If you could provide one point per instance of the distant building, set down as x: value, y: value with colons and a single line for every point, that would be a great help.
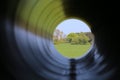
x: 58, y: 35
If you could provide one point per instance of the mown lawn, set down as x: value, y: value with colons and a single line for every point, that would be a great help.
x: 72, y: 51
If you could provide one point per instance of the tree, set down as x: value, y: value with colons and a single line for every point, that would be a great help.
x: 61, y: 35
x: 75, y: 40
x: 90, y: 35
x: 71, y: 37
x: 58, y: 36
x: 83, y: 39
x: 78, y: 38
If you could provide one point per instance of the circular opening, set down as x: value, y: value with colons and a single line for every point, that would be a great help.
x: 72, y: 38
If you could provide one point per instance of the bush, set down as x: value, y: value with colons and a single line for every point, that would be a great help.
x: 56, y: 42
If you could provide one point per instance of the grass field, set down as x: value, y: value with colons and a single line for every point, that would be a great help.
x: 72, y: 51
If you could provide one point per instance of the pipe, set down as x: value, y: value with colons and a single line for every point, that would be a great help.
x: 28, y: 51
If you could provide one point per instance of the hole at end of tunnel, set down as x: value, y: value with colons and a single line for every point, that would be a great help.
x: 72, y: 38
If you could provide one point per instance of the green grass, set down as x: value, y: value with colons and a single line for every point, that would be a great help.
x: 72, y: 51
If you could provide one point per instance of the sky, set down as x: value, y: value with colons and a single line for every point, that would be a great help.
x: 73, y: 25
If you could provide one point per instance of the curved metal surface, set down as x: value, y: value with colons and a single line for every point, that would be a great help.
x: 28, y: 51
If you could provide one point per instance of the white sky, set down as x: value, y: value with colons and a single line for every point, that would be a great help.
x: 73, y: 25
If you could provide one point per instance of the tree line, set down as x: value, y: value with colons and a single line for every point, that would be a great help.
x: 82, y: 38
